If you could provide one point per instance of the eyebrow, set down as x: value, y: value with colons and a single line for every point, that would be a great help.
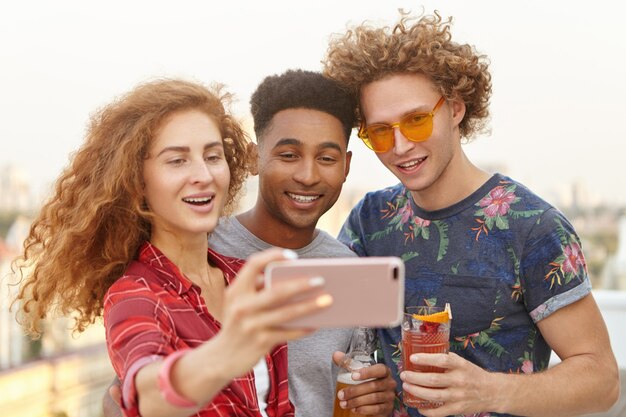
x: 296, y: 142
x: 187, y: 149
x: 419, y: 109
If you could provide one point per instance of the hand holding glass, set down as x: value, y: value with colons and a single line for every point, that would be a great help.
x: 424, y: 330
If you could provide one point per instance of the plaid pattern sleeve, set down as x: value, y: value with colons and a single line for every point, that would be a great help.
x: 154, y: 310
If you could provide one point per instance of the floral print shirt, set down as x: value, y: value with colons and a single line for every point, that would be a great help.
x: 503, y: 258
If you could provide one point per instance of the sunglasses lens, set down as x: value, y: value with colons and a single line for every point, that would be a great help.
x: 417, y: 127
x: 362, y: 134
x: 380, y: 137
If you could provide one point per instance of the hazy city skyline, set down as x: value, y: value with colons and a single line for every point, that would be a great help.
x: 557, y: 69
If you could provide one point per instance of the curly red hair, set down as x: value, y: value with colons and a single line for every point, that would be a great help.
x: 95, y: 221
x: 366, y: 54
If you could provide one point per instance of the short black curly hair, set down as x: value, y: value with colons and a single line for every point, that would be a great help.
x: 301, y: 89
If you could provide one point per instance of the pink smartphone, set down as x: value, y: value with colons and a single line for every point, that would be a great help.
x: 366, y: 291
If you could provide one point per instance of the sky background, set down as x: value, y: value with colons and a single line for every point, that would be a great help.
x: 558, y: 74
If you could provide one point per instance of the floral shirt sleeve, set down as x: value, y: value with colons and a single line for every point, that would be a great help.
x: 553, y: 266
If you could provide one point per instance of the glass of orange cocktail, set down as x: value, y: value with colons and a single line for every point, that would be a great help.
x: 425, y: 329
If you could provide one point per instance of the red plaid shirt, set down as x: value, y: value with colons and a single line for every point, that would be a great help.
x: 154, y: 310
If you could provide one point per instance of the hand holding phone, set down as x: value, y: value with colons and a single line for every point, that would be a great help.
x: 366, y: 291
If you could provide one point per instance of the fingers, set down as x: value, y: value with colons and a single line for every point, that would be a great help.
x: 434, y: 395
x: 271, y: 313
x: 373, y: 402
x: 423, y: 392
x: 385, y: 387
x: 338, y: 358
x: 284, y: 302
x: 378, y: 371
x: 458, y: 388
x: 425, y: 379
x: 287, y: 291
x: 112, y: 400
x: 258, y: 317
x: 381, y: 382
x: 372, y: 397
x: 447, y: 361
x: 116, y: 394
x: 381, y: 409
x: 267, y: 339
x: 247, y: 277
x: 442, y: 411
x: 440, y: 360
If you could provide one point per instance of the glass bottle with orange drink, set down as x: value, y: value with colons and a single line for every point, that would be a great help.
x: 358, y: 356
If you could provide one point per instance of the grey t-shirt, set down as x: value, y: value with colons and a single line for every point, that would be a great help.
x: 312, y: 375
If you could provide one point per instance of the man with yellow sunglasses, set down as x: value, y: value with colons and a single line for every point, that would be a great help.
x: 509, y: 263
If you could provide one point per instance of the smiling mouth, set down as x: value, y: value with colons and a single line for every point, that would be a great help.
x: 303, y: 198
x: 413, y: 163
x: 198, y: 201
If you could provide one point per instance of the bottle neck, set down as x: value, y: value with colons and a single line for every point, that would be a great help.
x: 363, y: 340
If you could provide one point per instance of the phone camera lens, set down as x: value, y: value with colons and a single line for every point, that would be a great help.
x: 395, y: 273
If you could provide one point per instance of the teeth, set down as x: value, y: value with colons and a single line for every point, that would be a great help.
x: 412, y: 163
x: 303, y: 198
x: 202, y: 200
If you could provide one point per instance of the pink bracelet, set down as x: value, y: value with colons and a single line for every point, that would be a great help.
x: 165, y: 382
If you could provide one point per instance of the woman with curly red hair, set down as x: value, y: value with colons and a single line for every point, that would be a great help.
x: 125, y: 236
x: 509, y: 263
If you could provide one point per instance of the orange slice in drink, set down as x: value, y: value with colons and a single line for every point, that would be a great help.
x: 441, y: 317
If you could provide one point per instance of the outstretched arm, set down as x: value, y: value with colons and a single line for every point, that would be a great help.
x: 252, y: 322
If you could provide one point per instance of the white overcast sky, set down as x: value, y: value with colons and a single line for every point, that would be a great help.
x: 558, y: 73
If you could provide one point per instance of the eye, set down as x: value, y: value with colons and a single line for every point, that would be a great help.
x: 327, y: 159
x: 288, y: 156
x: 213, y: 158
x: 378, y: 129
x: 416, y: 119
x: 176, y: 161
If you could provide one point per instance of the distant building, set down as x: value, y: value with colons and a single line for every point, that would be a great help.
x: 7, y: 322
x: 15, y: 347
x: 61, y: 375
x: 621, y: 248
x: 13, y: 344
x: 614, y: 274
x: 15, y: 190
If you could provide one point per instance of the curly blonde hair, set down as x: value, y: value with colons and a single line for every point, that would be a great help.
x: 95, y: 221
x: 366, y: 54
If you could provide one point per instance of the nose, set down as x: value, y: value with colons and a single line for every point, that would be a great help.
x: 401, y: 144
x: 200, y: 173
x: 307, y: 172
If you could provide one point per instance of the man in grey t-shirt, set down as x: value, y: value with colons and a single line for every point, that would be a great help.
x: 302, y: 121
x: 312, y: 375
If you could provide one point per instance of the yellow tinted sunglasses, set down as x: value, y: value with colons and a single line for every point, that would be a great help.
x: 415, y: 126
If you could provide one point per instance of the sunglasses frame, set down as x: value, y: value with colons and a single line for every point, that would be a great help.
x: 363, y: 135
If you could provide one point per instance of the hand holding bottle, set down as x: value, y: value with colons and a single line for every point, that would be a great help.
x: 363, y: 386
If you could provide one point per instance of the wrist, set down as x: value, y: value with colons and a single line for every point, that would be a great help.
x: 206, y: 373
x: 215, y: 359
x: 168, y: 391
x: 500, y: 395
